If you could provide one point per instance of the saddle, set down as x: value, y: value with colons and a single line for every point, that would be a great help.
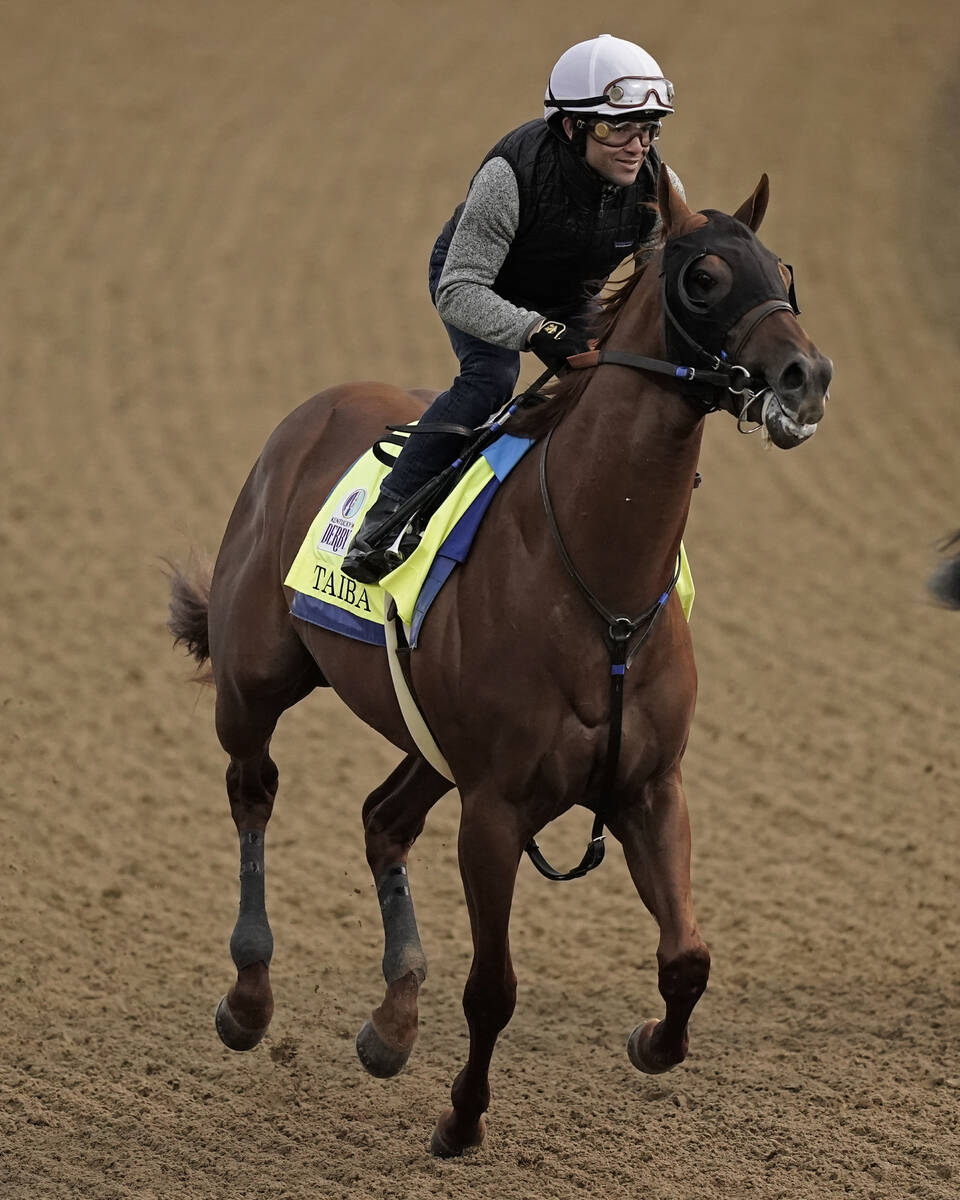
x: 325, y: 596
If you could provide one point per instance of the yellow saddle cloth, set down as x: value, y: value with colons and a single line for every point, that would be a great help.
x: 325, y: 596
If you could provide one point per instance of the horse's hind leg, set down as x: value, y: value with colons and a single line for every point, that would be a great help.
x: 393, y: 816
x: 656, y: 842
x: 490, y: 844
x: 248, y: 707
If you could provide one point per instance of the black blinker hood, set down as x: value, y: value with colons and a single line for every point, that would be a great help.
x: 756, y: 278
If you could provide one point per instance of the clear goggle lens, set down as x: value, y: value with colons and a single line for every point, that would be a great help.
x: 640, y: 91
x: 618, y: 133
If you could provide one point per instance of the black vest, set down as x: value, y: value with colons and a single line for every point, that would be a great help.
x: 575, y: 227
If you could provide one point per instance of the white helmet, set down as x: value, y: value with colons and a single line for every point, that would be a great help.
x: 608, y: 76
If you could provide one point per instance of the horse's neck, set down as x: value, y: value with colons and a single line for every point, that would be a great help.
x: 621, y: 469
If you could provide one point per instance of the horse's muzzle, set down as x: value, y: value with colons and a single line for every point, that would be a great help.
x: 796, y: 403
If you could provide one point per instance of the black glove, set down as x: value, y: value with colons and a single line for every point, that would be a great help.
x: 553, y: 344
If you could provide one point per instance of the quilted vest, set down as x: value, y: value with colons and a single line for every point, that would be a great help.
x: 574, y: 228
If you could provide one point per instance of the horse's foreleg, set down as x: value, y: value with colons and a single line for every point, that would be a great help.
x: 393, y: 816
x: 656, y: 842
x: 490, y: 849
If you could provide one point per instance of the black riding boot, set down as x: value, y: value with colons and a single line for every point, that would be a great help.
x: 371, y: 555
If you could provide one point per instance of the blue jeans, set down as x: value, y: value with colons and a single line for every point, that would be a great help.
x: 488, y: 375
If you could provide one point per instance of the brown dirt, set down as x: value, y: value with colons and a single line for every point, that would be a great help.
x: 209, y: 211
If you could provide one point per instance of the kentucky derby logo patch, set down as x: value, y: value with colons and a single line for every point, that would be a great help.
x: 339, y: 528
x: 353, y: 503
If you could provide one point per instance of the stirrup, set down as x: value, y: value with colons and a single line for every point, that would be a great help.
x: 367, y: 562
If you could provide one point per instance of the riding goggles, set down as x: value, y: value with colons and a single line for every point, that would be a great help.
x: 619, y: 133
x: 636, y: 91
x: 627, y: 92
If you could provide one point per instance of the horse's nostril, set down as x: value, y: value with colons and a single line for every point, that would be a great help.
x: 792, y: 378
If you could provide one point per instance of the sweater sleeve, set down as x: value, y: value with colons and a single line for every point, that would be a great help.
x: 480, y: 244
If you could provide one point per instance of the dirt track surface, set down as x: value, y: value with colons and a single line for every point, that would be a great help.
x: 193, y: 241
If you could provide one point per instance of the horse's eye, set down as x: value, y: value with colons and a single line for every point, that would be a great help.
x: 703, y: 280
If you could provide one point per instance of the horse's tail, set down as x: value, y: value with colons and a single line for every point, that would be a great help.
x: 944, y: 583
x: 189, y: 602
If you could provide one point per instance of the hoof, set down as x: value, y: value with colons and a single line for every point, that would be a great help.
x: 444, y: 1145
x: 232, y: 1034
x: 642, y: 1051
x: 377, y: 1057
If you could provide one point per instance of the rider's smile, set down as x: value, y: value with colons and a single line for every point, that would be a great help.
x: 617, y: 164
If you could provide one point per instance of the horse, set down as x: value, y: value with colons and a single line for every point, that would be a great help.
x: 943, y: 582
x: 591, y: 520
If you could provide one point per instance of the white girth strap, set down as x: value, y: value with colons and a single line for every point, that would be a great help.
x: 412, y: 716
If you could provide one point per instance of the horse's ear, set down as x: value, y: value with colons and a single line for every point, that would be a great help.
x: 751, y: 211
x: 673, y: 211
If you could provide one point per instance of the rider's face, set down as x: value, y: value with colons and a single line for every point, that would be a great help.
x: 617, y: 164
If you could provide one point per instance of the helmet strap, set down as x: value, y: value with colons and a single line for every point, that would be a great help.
x: 579, y: 137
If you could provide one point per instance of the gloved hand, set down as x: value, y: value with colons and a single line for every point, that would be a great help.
x: 553, y: 343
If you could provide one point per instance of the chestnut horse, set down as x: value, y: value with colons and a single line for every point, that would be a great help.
x: 518, y: 698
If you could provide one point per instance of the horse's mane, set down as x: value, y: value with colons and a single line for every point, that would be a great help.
x: 562, y: 394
